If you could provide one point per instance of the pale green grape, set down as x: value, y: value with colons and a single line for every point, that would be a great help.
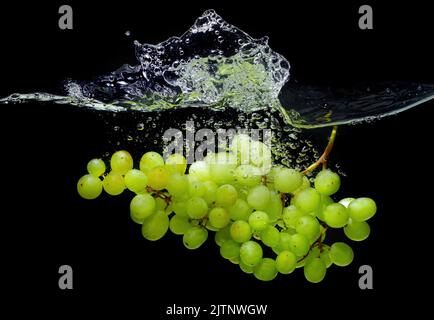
x: 290, y: 215
x: 158, y: 178
x: 307, y: 200
x: 240, y: 210
x: 286, y: 262
x: 197, y: 208
x: 315, y: 270
x: 275, y: 207
x: 251, y: 253
x: 240, y: 146
x: 155, y: 226
x: 260, y: 156
x: 357, y: 231
x: 327, y: 182
x: 335, y: 215
x: 346, y: 202
x: 288, y: 180
x: 96, y: 167
x: 258, y: 220
x: 362, y: 209
x: 89, y: 187
x: 194, y: 237
x: 284, y: 242
x: 160, y: 204
x: 341, y: 254
x: 177, y: 184
x: 325, y: 201
x: 258, y: 197
x: 270, y: 236
x: 325, y: 256
x: 247, y: 175
x: 230, y: 249
x: 299, y: 244
x: 180, y: 208
x: 151, y: 160
x: 240, y: 231
x: 226, y: 195
x: 265, y: 270
x: 136, y: 180
x: 196, y: 188
x: 223, y: 235
x: 210, y: 191
x: 142, y: 206
x: 308, y: 226
x: 304, y: 185
x: 200, y: 171
x: 114, y: 183
x: 176, y: 163
x: 222, y: 167
x: 121, y: 162
x: 219, y: 218
x: 179, y: 224
x: 235, y: 260
x: 245, y: 268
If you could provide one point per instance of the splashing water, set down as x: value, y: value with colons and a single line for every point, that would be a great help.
x: 216, y: 65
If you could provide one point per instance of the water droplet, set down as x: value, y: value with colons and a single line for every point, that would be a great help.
x: 127, y: 33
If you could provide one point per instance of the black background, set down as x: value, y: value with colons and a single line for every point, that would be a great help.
x: 45, y: 149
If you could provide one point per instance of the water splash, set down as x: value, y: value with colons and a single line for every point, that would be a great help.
x: 218, y: 66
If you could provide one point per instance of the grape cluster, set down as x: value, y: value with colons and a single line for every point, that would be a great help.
x: 252, y: 206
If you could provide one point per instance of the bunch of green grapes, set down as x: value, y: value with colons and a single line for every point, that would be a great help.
x: 247, y: 201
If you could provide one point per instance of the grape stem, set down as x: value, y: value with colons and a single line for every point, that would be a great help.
x: 324, y: 157
x: 318, y: 243
x: 159, y: 194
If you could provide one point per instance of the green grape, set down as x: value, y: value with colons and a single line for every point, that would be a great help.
x: 286, y: 262
x: 327, y: 182
x: 284, y: 242
x: 251, y: 253
x: 357, y: 231
x: 160, y: 204
x: 158, y: 178
x: 210, y: 191
x: 223, y: 235
x: 313, y: 253
x: 307, y: 200
x: 247, y: 175
x: 240, y: 210
x: 121, y: 162
x: 177, y: 184
x: 210, y: 227
x: 151, y: 160
x: 258, y: 197
x: 141, y: 207
x: 200, y: 171
x: 226, y: 195
x: 290, y: 231
x: 240, y: 231
x: 222, y: 167
x: 336, y: 215
x: 270, y: 236
x: 260, y: 156
x: 325, y: 201
x: 96, y: 167
x: 176, y: 163
x: 218, y: 218
x: 288, y: 180
x: 325, y: 256
x: 315, y: 270
x: 299, y: 244
x: 346, y: 202
x: 136, y: 180
x: 265, y: 270
x: 89, y: 187
x: 230, y: 249
x: 196, y: 208
x: 341, y: 254
x: 304, y: 185
x: 245, y: 268
x: 155, y: 226
x: 290, y: 215
x: 240, y: 146
x: 362, y: 209
x: 114, y: 183
x: 179, y: 224
x: 180, y: 208
x: 194, y: 237
x: 196, y: 188
x: 235, y: 260
x: 308, y: 226
x: 275, y: 207
x: 258, y: 220
x: 274, y: 171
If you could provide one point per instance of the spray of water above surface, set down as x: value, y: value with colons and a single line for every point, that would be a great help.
x: 216, y: 66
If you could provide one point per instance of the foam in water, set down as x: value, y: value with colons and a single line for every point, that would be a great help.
x: 216, y: 65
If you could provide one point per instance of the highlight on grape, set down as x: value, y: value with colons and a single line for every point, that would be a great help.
x: 266, y: 222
